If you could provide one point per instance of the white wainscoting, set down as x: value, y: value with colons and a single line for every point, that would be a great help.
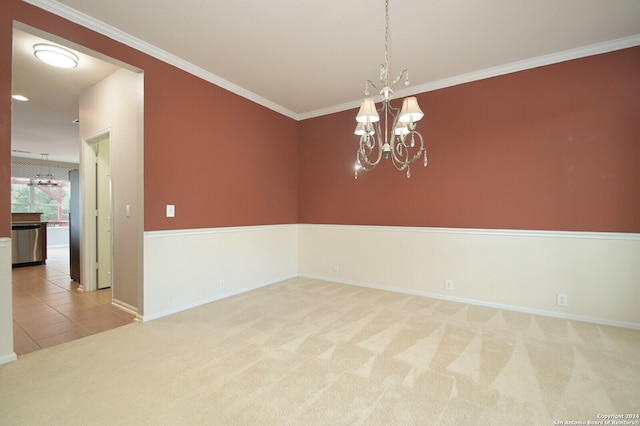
x: 6, y: 307
x: 183, y: 268
x: 515, y: 270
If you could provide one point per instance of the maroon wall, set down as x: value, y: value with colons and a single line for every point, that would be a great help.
x: 6, y: 28
x: 552, y: 148
x: 221, y: 159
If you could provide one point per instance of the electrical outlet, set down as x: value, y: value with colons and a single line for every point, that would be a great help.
x: 220, y: 284
x: 562, y: 299
x: 448, y: 285
x: 336, y: 270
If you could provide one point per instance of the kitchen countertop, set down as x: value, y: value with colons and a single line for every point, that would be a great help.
x: 26, y: 217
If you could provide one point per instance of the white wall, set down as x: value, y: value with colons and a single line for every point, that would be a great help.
x: 517, y: 270
x: 183, y: 268
x: 520, y: 270
x: 6, y: 306
x: 116, y: 103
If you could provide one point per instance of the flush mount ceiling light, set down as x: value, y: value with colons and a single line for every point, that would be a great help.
x: 388, y: 132
x: 20, y: 98
x: 55, y: 55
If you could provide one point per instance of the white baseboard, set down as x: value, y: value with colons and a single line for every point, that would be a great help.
x: 6, y: 359
x: 582, y: 318
x: 146, y: 318
x: 125, y: 307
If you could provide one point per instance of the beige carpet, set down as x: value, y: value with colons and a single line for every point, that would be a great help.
x: 306, y: 352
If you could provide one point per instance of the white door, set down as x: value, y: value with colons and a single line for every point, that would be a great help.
x: 103, y: 212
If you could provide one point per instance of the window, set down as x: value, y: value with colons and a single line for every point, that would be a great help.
x: 52, y: 201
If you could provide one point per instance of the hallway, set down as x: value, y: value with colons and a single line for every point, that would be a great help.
x: 49, y: 309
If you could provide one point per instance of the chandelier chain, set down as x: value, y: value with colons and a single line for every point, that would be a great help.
x: 385, y: 80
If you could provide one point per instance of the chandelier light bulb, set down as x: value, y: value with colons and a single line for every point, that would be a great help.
x: 401, y: 129
x: 364, y: 128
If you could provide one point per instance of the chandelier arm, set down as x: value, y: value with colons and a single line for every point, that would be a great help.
x: 365, y: 164
x: 390, y: 113
x: 372, y: 84
x: 364, y: 152
x: 402, y: 160
x: 399, y: 77
x: 386, y: 111
x: 399, y: 154
x: 393, y: 111
x: 367, y: 145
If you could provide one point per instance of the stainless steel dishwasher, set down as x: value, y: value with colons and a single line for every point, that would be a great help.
x: 26, y: 243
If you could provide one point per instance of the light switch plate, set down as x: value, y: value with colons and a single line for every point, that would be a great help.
x: 171, y: 210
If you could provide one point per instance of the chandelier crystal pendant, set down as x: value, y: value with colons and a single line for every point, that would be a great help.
x: 388, y: 132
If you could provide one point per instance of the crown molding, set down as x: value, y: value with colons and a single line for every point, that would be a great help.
x: 100, y: 27
x: 539, y: 61
x: 93, y: 24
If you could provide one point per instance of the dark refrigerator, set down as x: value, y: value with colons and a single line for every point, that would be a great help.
x: 74, y: 225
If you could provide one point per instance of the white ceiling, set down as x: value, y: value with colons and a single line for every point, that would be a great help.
x: 45, y: 124
x: 304, y: 58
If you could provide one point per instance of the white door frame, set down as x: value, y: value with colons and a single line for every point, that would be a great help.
x: 88, y: 240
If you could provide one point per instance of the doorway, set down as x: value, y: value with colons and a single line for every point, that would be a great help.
x: 97, y: 211
x: 116, y: 162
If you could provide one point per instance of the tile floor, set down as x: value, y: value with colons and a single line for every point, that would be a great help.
x: 49, y: 309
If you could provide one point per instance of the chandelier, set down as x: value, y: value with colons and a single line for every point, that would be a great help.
x: 388, y: 132
x: 44, y: 179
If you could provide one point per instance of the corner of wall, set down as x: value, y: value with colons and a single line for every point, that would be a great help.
x: 6, y: 311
